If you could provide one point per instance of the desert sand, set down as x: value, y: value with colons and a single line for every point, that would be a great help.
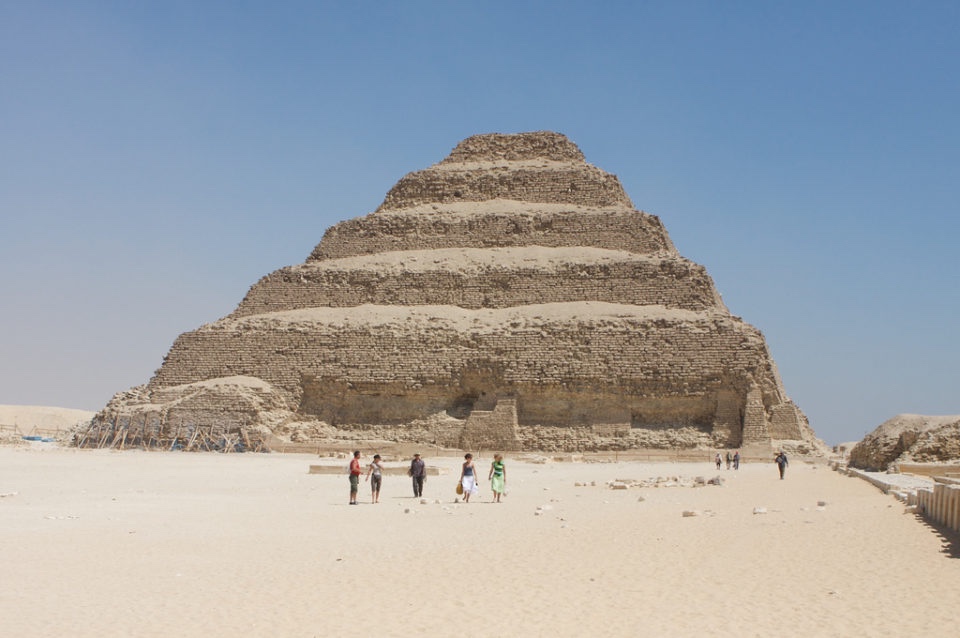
x: 102, y: 543
x: 27, y: 417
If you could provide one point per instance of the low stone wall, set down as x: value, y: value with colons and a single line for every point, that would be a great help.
x: 937, y: 502
x: 929, y: 469
x: 940, y: 505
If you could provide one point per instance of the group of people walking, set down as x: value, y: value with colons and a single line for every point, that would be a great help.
x: 780, y: 459
x: 733, y: 459
x: 467, y: 484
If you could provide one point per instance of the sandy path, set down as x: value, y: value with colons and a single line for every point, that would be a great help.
x: 152, y: 544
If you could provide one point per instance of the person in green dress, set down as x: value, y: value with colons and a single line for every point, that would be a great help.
x: 497, y: 477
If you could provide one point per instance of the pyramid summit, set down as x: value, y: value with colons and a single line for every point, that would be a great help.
x: 509, y: 296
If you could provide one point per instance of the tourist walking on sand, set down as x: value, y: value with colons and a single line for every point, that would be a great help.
x: 375, y: 471
x: 418, y: 471
x: 468, y: 478
x: 497, y: 477
x: 781, y: 460
x: 354, y: 477
x: 736, y: 460
x: 718, y: 460
x: 729, y: 459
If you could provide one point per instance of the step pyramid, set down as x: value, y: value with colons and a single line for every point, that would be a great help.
x: 510, y: 295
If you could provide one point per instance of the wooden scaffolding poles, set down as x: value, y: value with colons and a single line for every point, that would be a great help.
x: 154, y: 434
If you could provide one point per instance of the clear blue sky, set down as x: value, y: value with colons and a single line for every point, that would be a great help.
x: 156, y: 159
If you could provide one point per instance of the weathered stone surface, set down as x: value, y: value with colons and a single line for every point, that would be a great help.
x: 908, y: 438
x: 491, y: 224
x: 486, y: 278
x: 509, y: 296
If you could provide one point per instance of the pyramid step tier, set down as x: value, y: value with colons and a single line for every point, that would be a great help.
x: 563, y: 362
x: 492, y: 278
x: 558, y: 183
x: 497, y: 223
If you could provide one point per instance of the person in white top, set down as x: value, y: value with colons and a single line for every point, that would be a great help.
x: 376, y: 471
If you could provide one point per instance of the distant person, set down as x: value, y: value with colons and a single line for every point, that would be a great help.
x: 718, y: 460
x: 418, y: 471
x: 354, y: 477
x: 497, y: 477
x: 729, y: 459
x: 736, y: 460
x: 376, y: 472
x: 468, y: 478
x: 781, y: 460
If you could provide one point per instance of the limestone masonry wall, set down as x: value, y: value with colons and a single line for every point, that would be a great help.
x: 545, y: 145
x: 493, y: 429
x: 350, y: 371
x: 940, y: 504
x: 672, y: 282
x: 582, y: 185
x: 623, y: 229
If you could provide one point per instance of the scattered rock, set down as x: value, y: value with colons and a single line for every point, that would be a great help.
x: 689, y: 513
x: 759, y: 510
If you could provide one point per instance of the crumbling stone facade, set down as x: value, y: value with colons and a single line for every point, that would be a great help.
x: 909, y: 438
x: 511, y: 291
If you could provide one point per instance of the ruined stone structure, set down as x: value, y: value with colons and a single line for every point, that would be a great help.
x: 909, y: 438
x: 509, y: 296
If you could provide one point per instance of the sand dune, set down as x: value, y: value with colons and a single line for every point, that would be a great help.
x: 104, y: 543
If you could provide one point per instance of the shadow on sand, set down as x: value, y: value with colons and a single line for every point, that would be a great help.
x: 949, y: 538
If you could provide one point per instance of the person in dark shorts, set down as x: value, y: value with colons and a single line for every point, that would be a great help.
x: 418, y: 472
x: 375, y: 476
x: 354, y: 477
